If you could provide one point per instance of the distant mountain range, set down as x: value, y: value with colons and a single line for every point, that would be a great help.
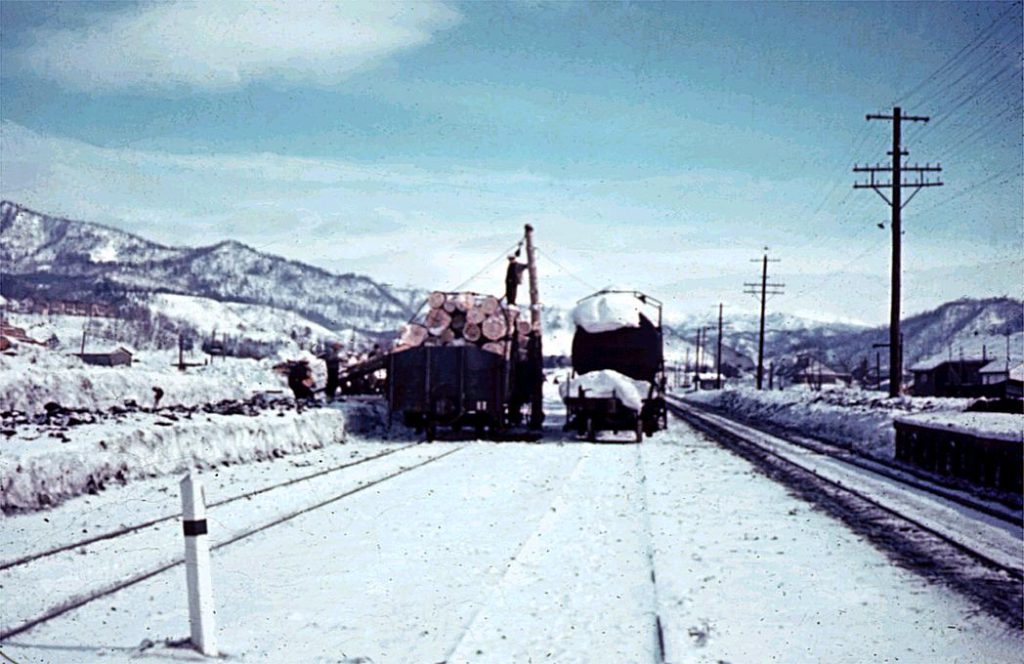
x: 45, y: 257
x: 968, y: 327
x: 52, y: 258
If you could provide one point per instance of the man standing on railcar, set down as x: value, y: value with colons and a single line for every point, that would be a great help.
x: 513, y: 277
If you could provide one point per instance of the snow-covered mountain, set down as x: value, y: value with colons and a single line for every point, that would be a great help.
x: 54, y: 258
x: 971, y: 326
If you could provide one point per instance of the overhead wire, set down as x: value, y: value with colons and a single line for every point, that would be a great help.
x: 565, y: 269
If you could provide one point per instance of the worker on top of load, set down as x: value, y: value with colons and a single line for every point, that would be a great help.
x: 513, y: 277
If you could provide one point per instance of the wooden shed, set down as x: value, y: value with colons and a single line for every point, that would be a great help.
x: 117, y: 357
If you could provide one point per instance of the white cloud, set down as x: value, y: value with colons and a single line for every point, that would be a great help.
x: 407, y: 225
x: 182, y: 46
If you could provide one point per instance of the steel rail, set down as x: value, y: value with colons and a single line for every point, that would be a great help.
x: 113, y: 534
x: 79, y: 601
x: 878, y: 466
x: 691, y: 416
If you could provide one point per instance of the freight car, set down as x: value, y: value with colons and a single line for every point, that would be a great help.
x: 618, y: 367
x: 453, y: 373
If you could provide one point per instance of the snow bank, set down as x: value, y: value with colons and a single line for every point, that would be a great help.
x: 37, y: 375
x: 607, y: 312
x: 994, y: 426
x: 861, y: 419
x: 42, y: 471
x: 604, y: 384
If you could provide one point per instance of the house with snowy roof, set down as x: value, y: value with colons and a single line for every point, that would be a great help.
x: 995, y: 372
x: 118, y: 357
x: 1015, y: 382
x: 817, y: 374
x: 939, y: 377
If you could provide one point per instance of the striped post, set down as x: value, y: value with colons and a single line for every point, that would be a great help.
x: 197, y: 567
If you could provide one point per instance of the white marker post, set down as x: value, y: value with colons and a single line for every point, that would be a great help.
x: 197, y: 567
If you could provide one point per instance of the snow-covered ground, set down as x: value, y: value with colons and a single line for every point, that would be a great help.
x: 859, y: 418
x: 38, y: 469
x: 560, y: 551
x: 518, y: 553
x: 39, y: 375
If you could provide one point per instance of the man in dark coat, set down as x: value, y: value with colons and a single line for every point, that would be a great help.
x: 333, y: 363
x: 513, y: 277
x: 299, y: 380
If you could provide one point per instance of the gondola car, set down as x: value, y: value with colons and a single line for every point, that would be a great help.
x: 449, y: 386
x: 618, y: 368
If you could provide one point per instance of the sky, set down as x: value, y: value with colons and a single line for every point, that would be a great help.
x: 653, y: 146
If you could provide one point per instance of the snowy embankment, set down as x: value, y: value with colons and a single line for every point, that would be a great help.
x: 857, y: 418
x: 38, y: 470
x: 36, y: 376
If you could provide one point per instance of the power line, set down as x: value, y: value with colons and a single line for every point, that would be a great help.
x: 564, y: 269
x: 969, y: 48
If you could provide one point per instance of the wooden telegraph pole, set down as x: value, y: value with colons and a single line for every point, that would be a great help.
x: 766, y: 289
x: 895, y: 184
x: 718, y: 357
x: 536, y: 352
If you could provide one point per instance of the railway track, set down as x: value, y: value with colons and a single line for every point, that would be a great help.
x: 924, y: 526
x: 75, y: 601
x: 125, y: 530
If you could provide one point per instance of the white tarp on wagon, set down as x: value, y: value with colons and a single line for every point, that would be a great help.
x: 607, y: 312
x: 607, y: 383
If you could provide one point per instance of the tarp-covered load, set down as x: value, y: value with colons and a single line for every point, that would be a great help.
x: 634, y: 351
x: 606, y: 384
x: 609, y: 311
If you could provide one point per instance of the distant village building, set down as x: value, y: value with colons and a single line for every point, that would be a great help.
x: 11, y: 336
x: 118, y: 357
x: 817, y: 374
x: 995, y: 372
x: 956, y: 378
x: 1015, y: 382
x: 709, y: 381
x: 64, y: 307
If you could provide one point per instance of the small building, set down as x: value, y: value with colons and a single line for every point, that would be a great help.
x: 118, y: 357
x: 817, y: 374
x: 709, y: 381
x: 995, y: 372
x: 1015, y: 382
x: 12, y: 335
x: 953, y: 378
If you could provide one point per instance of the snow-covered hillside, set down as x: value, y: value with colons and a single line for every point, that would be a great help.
x: 49, y: 258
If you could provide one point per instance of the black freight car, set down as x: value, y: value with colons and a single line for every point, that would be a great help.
x: 635, y: 352
x: 449, y: 386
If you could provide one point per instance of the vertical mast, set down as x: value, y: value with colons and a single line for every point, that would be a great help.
x: 536, y: 353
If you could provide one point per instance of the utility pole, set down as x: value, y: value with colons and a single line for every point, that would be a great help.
x: 696, y: 361
x: 718, y: 356
x: 766, y: 289
x: 535, y: 349
x: 895, y: 184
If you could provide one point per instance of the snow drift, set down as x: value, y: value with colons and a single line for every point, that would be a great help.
x: 38, y: 471
x: 860, y: 419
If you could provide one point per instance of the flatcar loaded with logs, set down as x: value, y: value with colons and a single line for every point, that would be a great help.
x: 471, y: 362
x: 618, y: 367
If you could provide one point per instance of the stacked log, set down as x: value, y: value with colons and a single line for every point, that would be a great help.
x: 460, y: 319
